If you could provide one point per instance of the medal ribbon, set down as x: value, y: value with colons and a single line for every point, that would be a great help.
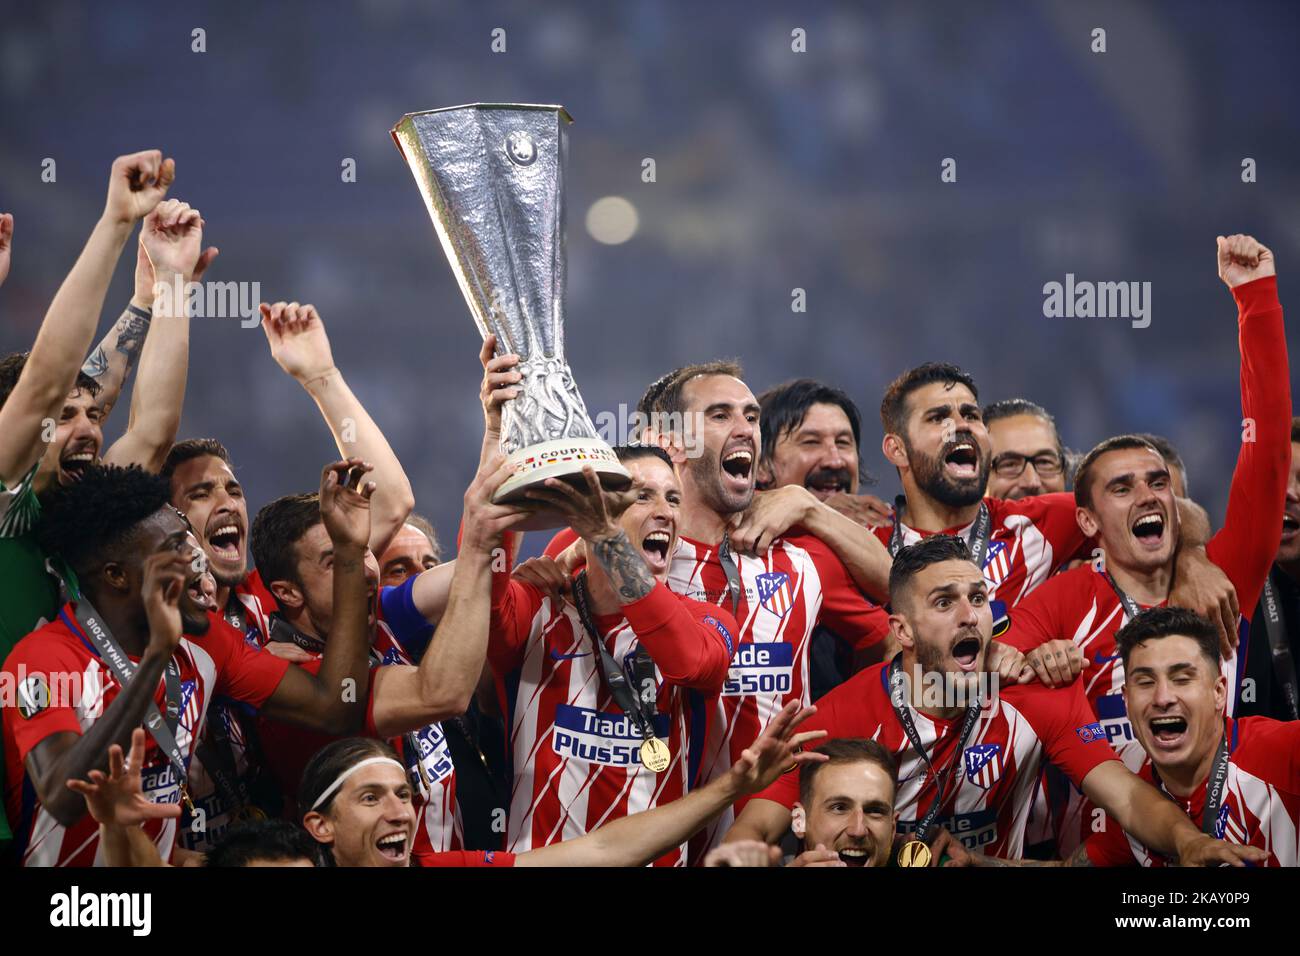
x: 728, y: 562
x: 629, y: 701
x: 1215, y: 784
x: 904, y: 715
x: 162, y: 731
x: 1283, y: 663
x: 977, y: 541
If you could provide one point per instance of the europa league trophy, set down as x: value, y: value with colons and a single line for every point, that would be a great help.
x: 492, y: 177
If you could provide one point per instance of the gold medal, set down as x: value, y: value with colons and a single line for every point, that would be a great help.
x: 914, y: 853
x: 655, y: 755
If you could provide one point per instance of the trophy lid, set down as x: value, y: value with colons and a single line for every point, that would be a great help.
x: 550, y: 108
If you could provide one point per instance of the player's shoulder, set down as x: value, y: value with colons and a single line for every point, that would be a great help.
x: 1263, y: 740
x: 1034, y: 507
x: 49, y: 642
x: 1040, y: 704
x: 862, y: 699
x: 805, y: 547
x: 1083, y: 581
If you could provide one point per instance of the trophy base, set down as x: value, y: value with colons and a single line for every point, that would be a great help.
x: 562, y: 458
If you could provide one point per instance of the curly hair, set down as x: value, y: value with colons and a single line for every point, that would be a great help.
x: 98, y: 518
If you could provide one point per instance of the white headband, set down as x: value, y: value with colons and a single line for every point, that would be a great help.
x: 338, y: 781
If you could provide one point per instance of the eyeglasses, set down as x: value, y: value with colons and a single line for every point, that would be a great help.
x: 1011, y: 465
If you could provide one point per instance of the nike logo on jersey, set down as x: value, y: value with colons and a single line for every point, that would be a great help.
x: 1100, y: 658
x: 567, y: 657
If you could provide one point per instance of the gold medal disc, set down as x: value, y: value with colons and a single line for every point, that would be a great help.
x: 914, y: 853
x: 655, y: 755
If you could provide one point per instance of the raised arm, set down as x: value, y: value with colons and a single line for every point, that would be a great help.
x: 137, y: 183
x: 407, y: 698
x: 642, y: 837
x: 171, y: 237
x: 301, y: 348
x: 1158, y: 823
x: 334, y: 701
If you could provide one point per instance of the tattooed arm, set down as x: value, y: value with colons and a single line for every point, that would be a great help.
x: 624, y: 566
x: 137, y: 183
x: 170, y: 240
x: 1078, y: 858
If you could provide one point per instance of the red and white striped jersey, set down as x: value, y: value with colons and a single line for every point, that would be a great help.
x: 575, y: 754
x: 991, y: 785
x: 1261, y: 802
x: 795, y: 585
x: 1081, y: 606
x: 79, y: 688
x: 288, y: 748
x: 1028, y: 540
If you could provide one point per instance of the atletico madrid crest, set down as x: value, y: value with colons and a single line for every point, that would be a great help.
x: 774, y: 592
x: 997, y: 564
x: 984, y: 764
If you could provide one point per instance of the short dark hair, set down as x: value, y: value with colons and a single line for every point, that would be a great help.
x: 916, y: 557
x: 628, y: 453
x: 11, y: 369
x: 784, y: 408
x: 274, y: 841
x: 669, y: 400
x: 190, y: 449
x: 893, y: 407
x: 425, y: 527
x: 848, y: 750
x: 1083, y: 474
x: 1295, y: 429
x: 276, y: 529
x: 96, y: 519
x: 1168, y: 452
x: 1157, y: 622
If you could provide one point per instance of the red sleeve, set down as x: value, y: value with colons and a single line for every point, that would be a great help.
x: 1110, y: 847
x: 846, y: 611
x: 1245, y: 545
x: 1071, y: 734
x: 461, y: 858
x: 1053, y: 515
x: 563, y: 538
x: 1270, y: 750
x: 514, y: 605
x: 691, y: 642
x: 243, y: 673
x: 37, y: 656
x: 1037, y: 619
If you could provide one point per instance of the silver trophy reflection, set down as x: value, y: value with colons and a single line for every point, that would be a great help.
x: 492, y: 177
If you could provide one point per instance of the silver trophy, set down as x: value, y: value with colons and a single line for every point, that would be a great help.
x: 492, y: 177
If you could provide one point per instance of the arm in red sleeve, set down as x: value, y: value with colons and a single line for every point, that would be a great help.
x: 691, y: 643
x: 563, y: 538
x: 1245, y: 546
x: 514, y: 605
x: 849, y: 613
x: 1036, y: 619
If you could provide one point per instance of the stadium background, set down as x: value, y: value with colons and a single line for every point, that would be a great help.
x: 775, y: 170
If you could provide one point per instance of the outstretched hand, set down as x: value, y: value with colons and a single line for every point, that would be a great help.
x: 117, y: 798
x: 345, y: 502
x: 776, y: 750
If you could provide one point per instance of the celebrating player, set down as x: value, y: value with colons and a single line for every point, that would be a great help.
x: 1124, y: 495
x: 135, y: 646
x: 969, y: 758
x: 935, y: 437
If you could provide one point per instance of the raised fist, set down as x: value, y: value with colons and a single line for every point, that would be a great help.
x: 1243, y: 259
x: 172, y: 236
x: 137, y: 184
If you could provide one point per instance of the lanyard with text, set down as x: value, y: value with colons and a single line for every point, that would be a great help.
x: 1131, y: 608
x: 903, y: 712
x: 1280, y: 647
x: 162, y: 731
x: 729, y: 568
x: 1215, y: 784
x: 977, y: 541
x: 655, y: 755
